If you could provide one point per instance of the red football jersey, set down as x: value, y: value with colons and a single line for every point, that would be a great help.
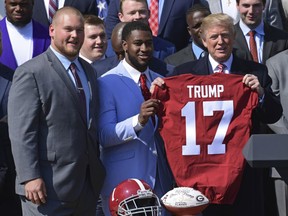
x: 205, y: 123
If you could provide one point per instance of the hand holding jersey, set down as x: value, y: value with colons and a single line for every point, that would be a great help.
x: 210, y: 118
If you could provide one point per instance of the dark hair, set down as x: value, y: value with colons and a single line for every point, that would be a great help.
x: 135, y: 25
x: 263, y: 1
x: 196, y: 8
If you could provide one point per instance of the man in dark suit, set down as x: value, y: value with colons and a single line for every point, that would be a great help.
x: 107, y: 64
x: 218, y: 35
x: 269, y: 39
x: 135, y: 10
x: 196, y: 49
x: 52, y: 115
x: 172, y: 21
x: 9, y: 201
x: 40, y: 10
x: 20, y: 32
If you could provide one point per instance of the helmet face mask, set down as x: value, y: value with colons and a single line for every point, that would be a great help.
x: 145, y: 203
x: 134, y: 197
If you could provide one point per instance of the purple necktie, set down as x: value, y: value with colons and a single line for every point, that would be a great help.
x: 79, y: 86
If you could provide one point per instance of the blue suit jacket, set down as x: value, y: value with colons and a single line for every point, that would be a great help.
x: 157, y: 65
x: 125, y: 153
x: 41, y: 41
x: 172, y: 27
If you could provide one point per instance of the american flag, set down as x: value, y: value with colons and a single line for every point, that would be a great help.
x: 102, y: 6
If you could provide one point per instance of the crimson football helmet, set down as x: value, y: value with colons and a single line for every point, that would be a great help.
x: 134, y: 197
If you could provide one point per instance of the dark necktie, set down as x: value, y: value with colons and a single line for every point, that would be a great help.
x: 221, y: 68
x: 53, y: 7
x: 144, y: 89
x: 79, y: 86
x: 154, y: 13
x: 253, y: 47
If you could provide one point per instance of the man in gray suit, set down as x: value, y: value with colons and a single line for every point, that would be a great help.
x: 277, y: 69
x: 52, y: 131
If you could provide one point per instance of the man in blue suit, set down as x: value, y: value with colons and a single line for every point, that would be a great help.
x: 23, y: 38
x: 172, y: 25
x: 131, y: 144
x: 107, y: 64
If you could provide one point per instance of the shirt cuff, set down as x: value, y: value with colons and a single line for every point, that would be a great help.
x: 261, y: 99
x: 136, y: 124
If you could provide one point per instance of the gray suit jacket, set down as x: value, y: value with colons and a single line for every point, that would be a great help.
x: 181, y: 57
x: 49, y: 134
x: 277, y: 70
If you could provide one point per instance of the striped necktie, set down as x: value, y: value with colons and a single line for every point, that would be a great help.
x: 53, y: 7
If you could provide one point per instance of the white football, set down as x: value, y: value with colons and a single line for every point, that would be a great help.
x: 184, y: 200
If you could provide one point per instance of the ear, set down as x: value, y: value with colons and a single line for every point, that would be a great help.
x: 124, y: 45
x: 204, y: 42
x: 120, y: 16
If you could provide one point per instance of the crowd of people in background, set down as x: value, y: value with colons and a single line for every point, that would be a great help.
x: 77, y: 112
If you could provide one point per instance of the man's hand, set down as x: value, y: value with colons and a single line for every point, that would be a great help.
x: 148, y: 108
x: 35, y: 191
x: 159, y: 82
x: 252, y: 82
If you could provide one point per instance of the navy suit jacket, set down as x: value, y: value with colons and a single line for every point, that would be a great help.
x: 84, y: 6
x: 270, y: 111
x: 172, y: 26
x: 41, y: 41
x: 156, y: 65
x: 275, y: 41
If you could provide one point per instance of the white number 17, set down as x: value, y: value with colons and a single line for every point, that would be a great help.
x: 217, y: 146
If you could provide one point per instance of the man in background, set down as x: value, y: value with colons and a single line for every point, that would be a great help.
x: 95, y: 41
x: 22, y: 37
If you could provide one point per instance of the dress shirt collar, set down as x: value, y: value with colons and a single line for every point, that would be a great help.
x: 135, y: 74
x: 86, y: 59
x: 65, y: 61
x: 227, y: 64
x: 245, y: 29
x: 197, y: 50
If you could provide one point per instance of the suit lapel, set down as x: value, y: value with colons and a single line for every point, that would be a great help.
x: 268, y: 43
x: 38, y: 42
x: 242, y: 50
x: 130, y: 83
x: 7, y: 56
x: 58, y: 68
x: 165, y: 14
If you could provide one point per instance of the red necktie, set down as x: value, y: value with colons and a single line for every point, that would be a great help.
x: 53, y: 7
x: 221, y: 68
x: 153, y: 20
x: 253, y: 47
x: 79, y: 86
x: 144, y: 89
